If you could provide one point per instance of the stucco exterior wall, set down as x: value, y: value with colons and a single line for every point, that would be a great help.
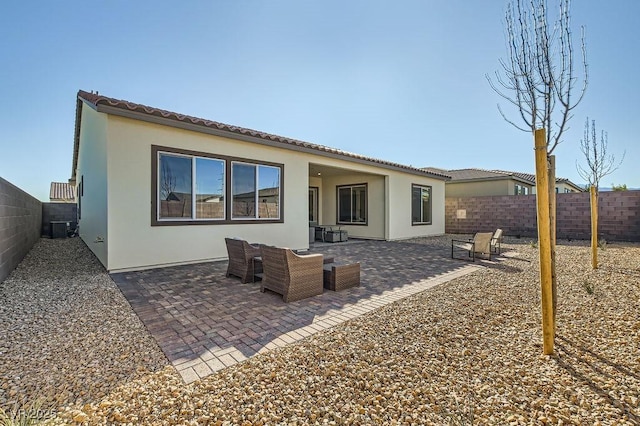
x: 375, y: 227
x: 400, y: 226
x: 389, y: 203
x: 121, y: 149
x: 92, y: 176
x: 480, y: 189
x: 134, y: 243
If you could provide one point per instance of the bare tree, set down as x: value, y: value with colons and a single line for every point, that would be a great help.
x: 540, y: 79
x: 168, y: 181
x: 599, y: 164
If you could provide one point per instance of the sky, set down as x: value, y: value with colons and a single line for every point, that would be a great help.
x: 402, y: 81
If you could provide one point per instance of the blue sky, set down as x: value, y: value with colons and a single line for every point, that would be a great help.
x: 402, y: 81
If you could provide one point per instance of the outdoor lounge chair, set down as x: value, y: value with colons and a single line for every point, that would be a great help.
x: 481, y: 244
x: 293, y: 276
x: 241, y: 263
x: 496, y: 240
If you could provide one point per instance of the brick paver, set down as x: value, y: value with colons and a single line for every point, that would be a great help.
x: 204, y: 321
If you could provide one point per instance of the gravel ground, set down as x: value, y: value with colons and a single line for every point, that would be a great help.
x: 67, y: 335
x: 465, y: 352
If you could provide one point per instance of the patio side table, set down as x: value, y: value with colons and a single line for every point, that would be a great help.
x: 338, y: 277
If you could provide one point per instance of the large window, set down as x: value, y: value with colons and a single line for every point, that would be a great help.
x: 352, y: 204
x: 420, y: 205
x: 255, y: 191
x: 190, y: 187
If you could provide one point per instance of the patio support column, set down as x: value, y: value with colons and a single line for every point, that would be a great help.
x: 387, y: 210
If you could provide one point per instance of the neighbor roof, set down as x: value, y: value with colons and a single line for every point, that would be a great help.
x: 472, y: 174
x: 156, y: 115
x: 463, y: 175
x: 61, y: 191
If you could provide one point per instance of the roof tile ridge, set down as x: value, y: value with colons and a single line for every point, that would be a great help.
x: 503, y: 172
x: 96, y: 99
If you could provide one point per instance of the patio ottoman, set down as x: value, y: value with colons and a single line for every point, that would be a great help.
x: 341, y: 276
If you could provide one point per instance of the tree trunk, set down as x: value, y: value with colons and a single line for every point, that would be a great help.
x: 552, y: 232
x: 594, y: 227
x: 544, y: 238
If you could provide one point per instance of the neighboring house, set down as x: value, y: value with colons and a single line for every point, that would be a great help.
x: 159, y: 188
x: 564, y: 186
x: 62, y: 192
x: 478, y: 182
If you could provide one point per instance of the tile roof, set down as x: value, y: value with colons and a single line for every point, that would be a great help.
x: 437, y: 171
x: 481, y: 174
x: 61, y: 191
x: 468, y: 174
x: 96, y: 100
x: 524, y: 176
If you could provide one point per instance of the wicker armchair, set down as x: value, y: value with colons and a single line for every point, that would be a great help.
x: 241, y: 255
x: 294, y: 277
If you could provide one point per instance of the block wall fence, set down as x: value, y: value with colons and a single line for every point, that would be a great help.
x: 65, y: 212
x: 20, y: 223
x: 618, y: 211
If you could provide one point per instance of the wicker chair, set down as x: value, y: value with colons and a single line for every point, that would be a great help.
x: 294, y: 277
x: 241, y: 255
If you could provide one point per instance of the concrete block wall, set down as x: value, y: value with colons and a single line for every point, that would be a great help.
x: 52, y: 212
x: 618, y: 212
x: 20, y: 222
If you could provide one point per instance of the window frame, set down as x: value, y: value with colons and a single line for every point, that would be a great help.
x: 314, y: 193
x: 257, y: 166
x: 156, y: 150
x: 430, y: 189
x: 80, y: 192
x: 366, y: 204
x: 524, y: 188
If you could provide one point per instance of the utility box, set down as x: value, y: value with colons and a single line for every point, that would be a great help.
x: 336, y: 236
x: 58, y: 229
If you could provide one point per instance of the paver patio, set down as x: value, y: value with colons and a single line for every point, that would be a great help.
x: 205, y: 322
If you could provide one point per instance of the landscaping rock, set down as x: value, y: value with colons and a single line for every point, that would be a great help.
x: 465, y: 352
x: 67, y: 335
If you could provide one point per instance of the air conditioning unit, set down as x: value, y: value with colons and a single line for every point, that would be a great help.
x: 58, y: 229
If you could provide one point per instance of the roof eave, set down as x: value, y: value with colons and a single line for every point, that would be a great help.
x: 76, y: 135
x: 142, y: 116
x: 491, y: 179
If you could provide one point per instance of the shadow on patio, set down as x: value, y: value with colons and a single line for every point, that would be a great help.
x: 204, y: 321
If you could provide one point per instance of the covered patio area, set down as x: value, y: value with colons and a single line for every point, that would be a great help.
x: 205, y: 322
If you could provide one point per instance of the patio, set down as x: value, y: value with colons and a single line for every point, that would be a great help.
x: 205, y: 322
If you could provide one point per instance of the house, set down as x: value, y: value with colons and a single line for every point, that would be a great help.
x: 478, y: 182
x: 159, y: 188
x: 565, y: 186
x: 62, y: 192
